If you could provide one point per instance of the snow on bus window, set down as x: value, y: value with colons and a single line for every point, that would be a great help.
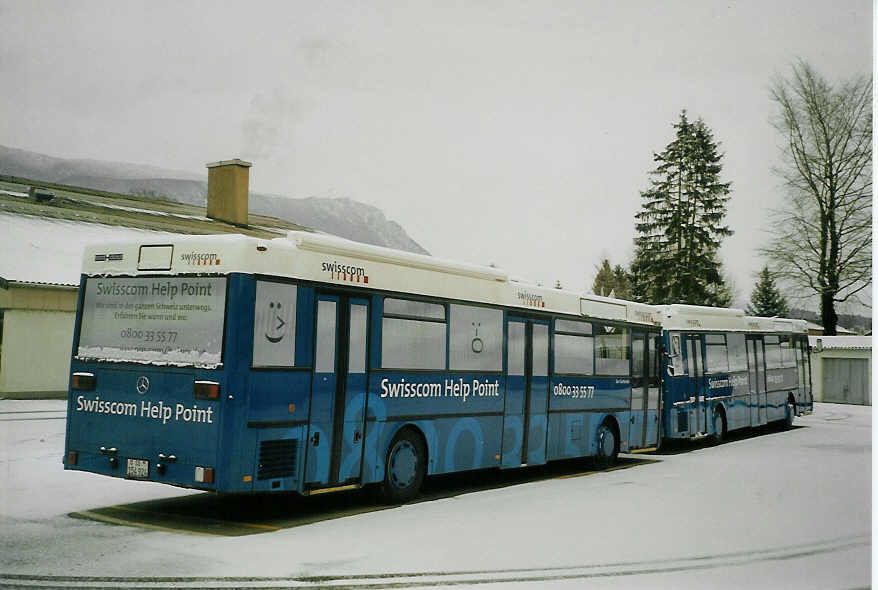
x: 160, y: 320
x: 274, y: 325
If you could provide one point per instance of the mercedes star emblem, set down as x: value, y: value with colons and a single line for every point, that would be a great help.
x: 142, y: 384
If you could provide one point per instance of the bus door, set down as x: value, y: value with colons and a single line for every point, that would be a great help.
x: 338, y: 391
x: 696, y: 393
x: 806, y: 364
x: 801, y: 367
x: 525, y: 415
x: 652, y: 425
x: 639, y: 375
x: 756, y: 367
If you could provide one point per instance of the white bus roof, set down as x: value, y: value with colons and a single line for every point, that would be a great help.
x: 693, y: 317
x: 329, y: 259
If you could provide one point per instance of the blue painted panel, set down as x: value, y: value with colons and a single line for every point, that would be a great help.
x: 651, y: 428
x: 167, y: 418
x: 513, y: 424
x: 272, y: 391
x: 635, y: 430
x: 322, y: 402
x: 353, y: 427
x: 590, y: 393
x: 453, y: 444
x: 596, y: 397
x: 572, y: 434
x: 436, y: 393
x: 537, y: 421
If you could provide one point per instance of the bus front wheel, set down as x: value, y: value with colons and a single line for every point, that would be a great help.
x: 405, y: 467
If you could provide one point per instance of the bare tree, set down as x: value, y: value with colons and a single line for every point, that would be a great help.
x: 822, y: 235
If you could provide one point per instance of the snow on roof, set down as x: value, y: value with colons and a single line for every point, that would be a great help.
x: 841, y: 342
x: 42, y: 250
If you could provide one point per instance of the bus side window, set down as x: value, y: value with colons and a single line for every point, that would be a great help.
x: 476, y: 338
x: 612, y: 350
x: 787, y: 352
x: 324, y: 357
x: 717, y: 353
x: 274, y: 325
x: 413, y: 335
x: 676, y: 367
x: 737, y: 353
x: 772, y: 352
x: 574, y: 348
x: 515, y: 348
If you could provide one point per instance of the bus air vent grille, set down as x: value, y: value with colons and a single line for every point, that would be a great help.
x: 277, y: 458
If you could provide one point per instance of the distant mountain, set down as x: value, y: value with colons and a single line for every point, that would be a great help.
x: 16, y: 162
x: 339, y: 216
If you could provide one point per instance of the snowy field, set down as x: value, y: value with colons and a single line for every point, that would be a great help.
x: 783, y: 509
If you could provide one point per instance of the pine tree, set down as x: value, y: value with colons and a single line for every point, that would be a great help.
x: 680, y: 224
x: 766, y: 300
x: 604, y: 282
x: 622, y: 280
x: 612, y: 281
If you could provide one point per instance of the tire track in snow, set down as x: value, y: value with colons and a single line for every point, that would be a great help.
x: 450, y: 578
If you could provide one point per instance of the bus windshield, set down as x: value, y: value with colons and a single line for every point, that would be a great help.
x: 159, y: 320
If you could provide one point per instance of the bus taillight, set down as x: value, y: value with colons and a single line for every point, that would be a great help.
x: 83, y: 381
x: 206, y: 390
x: 204, y: 474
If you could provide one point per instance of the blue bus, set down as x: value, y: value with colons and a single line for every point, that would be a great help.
x: 727, y: 371
x: 313, y: 364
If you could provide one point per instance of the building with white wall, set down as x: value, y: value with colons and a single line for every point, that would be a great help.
x: 841, y: 369
x: 41, y: 249
x: 36, y: 335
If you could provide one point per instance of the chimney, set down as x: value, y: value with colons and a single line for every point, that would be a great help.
x: 227, y: 191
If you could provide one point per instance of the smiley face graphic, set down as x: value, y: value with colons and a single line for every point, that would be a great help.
x: 276, y: 324
x: 478, y: 345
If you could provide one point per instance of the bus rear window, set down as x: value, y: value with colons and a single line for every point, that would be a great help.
x: 161, y: 320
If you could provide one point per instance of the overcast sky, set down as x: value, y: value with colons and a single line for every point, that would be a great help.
x: 518, y: 133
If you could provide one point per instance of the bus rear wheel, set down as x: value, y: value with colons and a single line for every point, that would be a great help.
x: 608, y: 446
x: 405, y: 467
x: 719, y: 426
x: 790, y: 413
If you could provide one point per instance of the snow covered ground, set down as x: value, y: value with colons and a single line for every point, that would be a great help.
x: 783, y: 509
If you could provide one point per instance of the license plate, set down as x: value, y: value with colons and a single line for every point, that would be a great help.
x: 137, y: 468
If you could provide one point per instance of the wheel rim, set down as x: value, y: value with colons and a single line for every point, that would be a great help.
x: 717, y: 425
x: 606, y: 442
x: 403, y: 464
